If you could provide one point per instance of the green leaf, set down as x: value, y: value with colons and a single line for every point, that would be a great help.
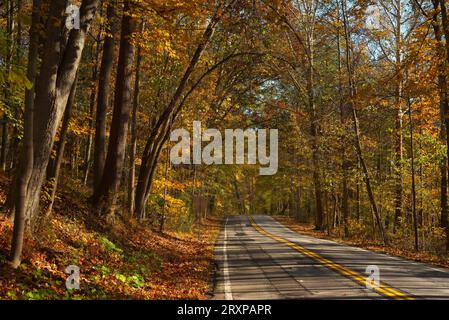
x: 19, y: 78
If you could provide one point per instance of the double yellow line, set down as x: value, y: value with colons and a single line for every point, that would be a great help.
x: 383, y: 288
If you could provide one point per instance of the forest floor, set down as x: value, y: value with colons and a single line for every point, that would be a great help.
x: 123, y: 260
x: 373, y: 245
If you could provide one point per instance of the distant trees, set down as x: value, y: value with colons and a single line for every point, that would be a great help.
x: 392, y: 57
x: 303, y: 37
x: 439, y: 23
x: 356, y: 123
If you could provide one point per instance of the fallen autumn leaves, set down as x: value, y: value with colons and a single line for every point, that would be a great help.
x: 126, y: 261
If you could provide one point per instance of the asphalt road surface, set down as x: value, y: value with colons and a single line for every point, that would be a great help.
x: 259, y: 258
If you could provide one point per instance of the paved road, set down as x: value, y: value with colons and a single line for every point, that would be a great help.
x: 259, y: 258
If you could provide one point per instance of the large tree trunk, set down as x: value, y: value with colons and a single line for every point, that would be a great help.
x: 54, y: 84
x: 106, y: 193
x: 26, y: 163
x: 56, y: 77
x: 104, y: 90
x: 55, y: 166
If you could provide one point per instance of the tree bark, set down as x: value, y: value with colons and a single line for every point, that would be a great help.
x: 133, y: 146
x: 93, y: 98
x: 314, y: 129
x: 5, y: 140
x: 106, y: 193
x: 444, y: 110
x: 55, y: 167
x: 412, y: 151
x: 399, y: 140
x: 343, y: 118
x: 26, y: 163
x: 104, y: 92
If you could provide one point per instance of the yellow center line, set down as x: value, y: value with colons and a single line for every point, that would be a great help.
x: 383, y: 288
